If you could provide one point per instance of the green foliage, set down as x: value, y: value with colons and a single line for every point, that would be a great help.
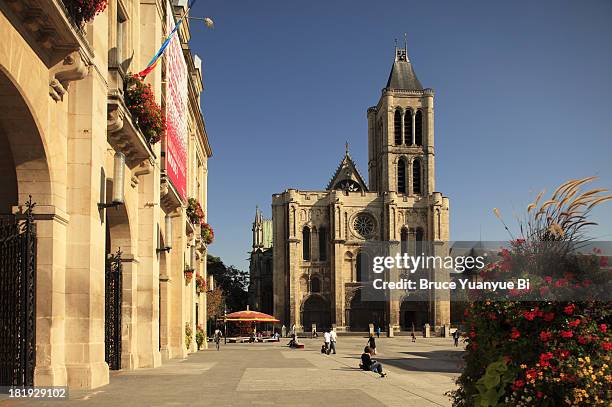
x: 233, y: 282
x: 200, y: 337
x: 188, y: 335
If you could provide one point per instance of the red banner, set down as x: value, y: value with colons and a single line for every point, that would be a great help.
x: 176, y: 111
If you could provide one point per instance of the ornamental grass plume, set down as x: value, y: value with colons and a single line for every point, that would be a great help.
x: 552, y: 350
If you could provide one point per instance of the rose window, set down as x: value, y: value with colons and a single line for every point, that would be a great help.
x: 364, y: 225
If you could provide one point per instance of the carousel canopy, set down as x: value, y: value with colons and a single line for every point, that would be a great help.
x: 250, y: 316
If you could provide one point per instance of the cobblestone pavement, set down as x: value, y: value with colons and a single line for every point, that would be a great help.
x: 271, y: 374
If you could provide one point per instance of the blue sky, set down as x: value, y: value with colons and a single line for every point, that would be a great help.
x: 523, y: 100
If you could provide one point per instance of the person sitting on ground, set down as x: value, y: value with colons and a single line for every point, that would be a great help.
x: 369, y: 364
x: 293, y: 342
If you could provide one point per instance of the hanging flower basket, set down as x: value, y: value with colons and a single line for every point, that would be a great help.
x: 200, y: 284
x: 207, y: 233
x: 188, y: 275
x: 195, y: 213
x: 147, y: 114
x: 84, y: 11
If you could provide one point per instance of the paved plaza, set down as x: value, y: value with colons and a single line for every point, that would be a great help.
x: 265, y: 374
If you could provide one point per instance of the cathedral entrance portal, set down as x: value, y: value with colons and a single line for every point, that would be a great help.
x: 363, y: 313
x: 316, y: 310
x: 414, y: 314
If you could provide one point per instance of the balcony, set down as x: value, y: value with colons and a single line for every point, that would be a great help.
x: 122, y: 133
x: 47, y: 27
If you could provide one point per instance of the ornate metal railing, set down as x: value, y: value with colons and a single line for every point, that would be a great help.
x: 112, y: 321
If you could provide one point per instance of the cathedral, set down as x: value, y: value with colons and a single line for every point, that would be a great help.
x: 317, y: 240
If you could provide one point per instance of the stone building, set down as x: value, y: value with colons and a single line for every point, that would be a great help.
x: 101, y: 282
x: 320, y: 237
x: 260, y: 265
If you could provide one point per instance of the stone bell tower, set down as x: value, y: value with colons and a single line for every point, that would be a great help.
x: 401, y: 133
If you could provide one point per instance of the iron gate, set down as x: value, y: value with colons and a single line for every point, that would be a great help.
x: 18, y: 298
x: 112, y: 320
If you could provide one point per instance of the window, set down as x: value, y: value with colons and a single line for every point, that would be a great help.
x: 397, y: 127
x: 408, y: 127
x: 416, y: 176
x: 306, y: 243
x: 362, y: 266
x: 401, y: 176
x: 404, y: 240
x: 364, y: 225
x: 418, y: 128
x: 419, y: 241
x: 315, y: 285
x: 322, y: 244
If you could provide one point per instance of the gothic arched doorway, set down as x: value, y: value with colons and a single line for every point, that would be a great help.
x: 414, y: 313
x: 363, y: 313
x: 316, y: 310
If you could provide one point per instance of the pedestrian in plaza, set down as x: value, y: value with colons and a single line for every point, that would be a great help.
x: 284, y: 331
x: 369, y: 364
x: 378, y: 331
x: 327, y: 340
x: 456, y: 337
x: 314, y: 333
x: 333, y: 338
x: 372, y: 344
x: 217, y: 338
x: 413, y: 337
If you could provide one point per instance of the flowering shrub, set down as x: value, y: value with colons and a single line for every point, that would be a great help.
x: 200, y: 336
x: 200, y: 284
x: 207, y: 233
x: 83, y: 11
x: 188, y: 275
x: 146, y: 112
x: 188, y: 334
x: 523, y: 352
x: 195, y: 212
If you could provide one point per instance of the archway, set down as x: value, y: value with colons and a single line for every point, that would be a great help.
x: 23, y: 172
x: 362, y: 313
x: 316, y: 310
x: 414, y: 313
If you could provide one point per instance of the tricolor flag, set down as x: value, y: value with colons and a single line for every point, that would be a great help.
x: 155, y: 60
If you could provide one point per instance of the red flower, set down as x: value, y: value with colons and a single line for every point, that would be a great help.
x: 531, y: 374
x: 566, y: 334
x: 472, y: 334
x: 603, y: 328
x: 574, y: 323
x: 529, y: 315
x: 569, y: 310
x: 583, y: 340
x: 564, y: 354
x: 518, y: 384
x: 549, y: 316
x: 548, y: 279
x: 545, y: 358
x: 515, y: 334
x: 545, y: 336
x: 607, y: 346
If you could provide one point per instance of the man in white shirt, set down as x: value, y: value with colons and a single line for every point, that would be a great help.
x: 333, y: 337
x: 327, y: 338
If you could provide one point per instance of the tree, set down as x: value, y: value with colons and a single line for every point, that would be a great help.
x: 233, y: 282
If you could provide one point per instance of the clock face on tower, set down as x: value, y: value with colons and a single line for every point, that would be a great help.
x: 348, y: 185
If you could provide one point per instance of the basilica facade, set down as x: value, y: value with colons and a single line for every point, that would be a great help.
x: 320, y: 238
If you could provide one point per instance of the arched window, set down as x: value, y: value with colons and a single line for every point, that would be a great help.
x: 397, y: 127
x: 408, y: 127
x: 306, y: 243
x: 362, y: 265
x: 419, y: 241
x: 404, y: 240
x: 418, y: 128
x: 322, y: 244
x: 416, y: 176
x: 401, y: 176
x: 315, y: 285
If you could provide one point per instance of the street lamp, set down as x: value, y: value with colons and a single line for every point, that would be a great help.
x: 167, y: 235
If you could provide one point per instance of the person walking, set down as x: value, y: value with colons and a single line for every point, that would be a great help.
x: 456, y: 337
x: 327, y: 339
x: 378, y: 331
x: 333, y: 338
x: 367, y: 363
x: 217, y: 338
x: 372, y: 344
